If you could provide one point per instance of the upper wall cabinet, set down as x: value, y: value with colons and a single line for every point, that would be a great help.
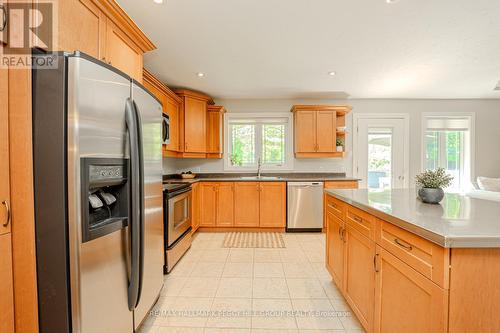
x: 171, y: 106
x: 193, y: 123
x: 103, y: 30
x: 215, y: 131
x: 317, y: 128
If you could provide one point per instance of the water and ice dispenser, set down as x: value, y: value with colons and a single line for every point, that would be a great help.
x: 105, y: 196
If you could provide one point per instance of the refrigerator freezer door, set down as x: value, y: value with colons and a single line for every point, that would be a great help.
x: 99, y: 268
x: 150, y: 111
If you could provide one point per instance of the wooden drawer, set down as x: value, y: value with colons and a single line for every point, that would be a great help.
x: 425, y: 257
x: 349, y: 184
x: 335, y: 206
x: 361, y: 221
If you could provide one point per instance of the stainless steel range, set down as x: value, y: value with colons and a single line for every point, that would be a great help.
x: 177, y: 222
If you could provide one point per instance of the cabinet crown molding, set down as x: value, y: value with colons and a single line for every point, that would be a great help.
x: 149, y: 77
x: 194, y: 94
x: 340, y: 109
x: 113, y: 10
x: 216, y: 108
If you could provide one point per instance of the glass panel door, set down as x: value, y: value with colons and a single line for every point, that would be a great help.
x: 380, y: 158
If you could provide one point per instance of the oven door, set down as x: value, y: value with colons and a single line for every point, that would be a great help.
x: 179, y: 216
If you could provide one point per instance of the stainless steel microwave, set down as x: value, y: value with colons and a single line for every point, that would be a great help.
x: 166, y: 129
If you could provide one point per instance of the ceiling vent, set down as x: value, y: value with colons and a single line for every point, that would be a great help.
x: 498, y: 86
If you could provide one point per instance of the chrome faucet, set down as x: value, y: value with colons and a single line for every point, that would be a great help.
x: 259, y: 164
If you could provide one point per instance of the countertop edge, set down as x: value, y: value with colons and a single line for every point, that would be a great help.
x: 237, y: 179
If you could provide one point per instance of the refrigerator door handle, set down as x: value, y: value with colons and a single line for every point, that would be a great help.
x: 138, y: 123
x: 134, y: 207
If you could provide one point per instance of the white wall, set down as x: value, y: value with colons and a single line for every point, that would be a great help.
x: 487, y: 156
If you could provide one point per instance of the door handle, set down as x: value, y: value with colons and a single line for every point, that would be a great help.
x: 375, y: 263
x: 4, y: 17
x: 7, y: 207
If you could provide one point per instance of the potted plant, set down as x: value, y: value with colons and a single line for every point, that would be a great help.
x: 340, y: 145
x: 431, y: 184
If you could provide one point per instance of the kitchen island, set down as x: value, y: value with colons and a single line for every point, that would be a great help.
x: 406, y: 266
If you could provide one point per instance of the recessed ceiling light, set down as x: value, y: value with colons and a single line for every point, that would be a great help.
x: 158, y: 1
x: 200, y: 74
x: 391, y: 1
x: 332, y: 73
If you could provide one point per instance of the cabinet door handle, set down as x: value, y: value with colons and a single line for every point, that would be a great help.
x: 332, y: 205
x: 403, y: 244
x: 343, y: 235
x: 356, y: 218
x: 340, y: 233
x: 4, y: 17
x: 375, y: 262
x: 7, y: 207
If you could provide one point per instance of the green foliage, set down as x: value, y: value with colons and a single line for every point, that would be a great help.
x: 340, y: 142
x: 434, y: 179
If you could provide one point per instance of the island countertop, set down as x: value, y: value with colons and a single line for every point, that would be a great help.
x: 457, y: 222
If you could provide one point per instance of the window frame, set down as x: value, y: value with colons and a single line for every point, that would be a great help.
x: 259, y: 119
x: 467, y: 163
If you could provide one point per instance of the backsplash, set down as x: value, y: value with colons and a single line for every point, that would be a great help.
x: 175, y: 165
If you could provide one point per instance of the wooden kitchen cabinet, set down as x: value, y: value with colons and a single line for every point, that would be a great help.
x: 208, y: 204
x: 195, y: 207
x: 6, y: 285
x: 246, y: 204
x: 272, y: 212
x: 171, y: 105
x: 193, y: 123
x: 103, y: 30
x: 215, y: 131
x: 73, y: 16
x: 5, y: 201
x: 406, y: 301
x: 217, y: 204
x: 225, y: 204
x: 359, y: 275
x: 390, y: 277
x: 315, y: 128
x: 6, y: 275
x: 121, y: 52
x: 344, y: 184
x: 335, y: 247
x: 305, y: 132
x: 326, y: 131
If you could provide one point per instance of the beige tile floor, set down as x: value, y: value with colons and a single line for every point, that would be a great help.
x: 214, y: 289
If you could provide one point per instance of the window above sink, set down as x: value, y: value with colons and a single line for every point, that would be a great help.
x: 250, y: 137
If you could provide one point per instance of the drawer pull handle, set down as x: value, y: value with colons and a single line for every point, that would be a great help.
x: 356, y: 218
x: 333, y: 206
x: 403, y: 244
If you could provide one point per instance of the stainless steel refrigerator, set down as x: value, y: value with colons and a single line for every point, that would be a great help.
x: 97, y: 156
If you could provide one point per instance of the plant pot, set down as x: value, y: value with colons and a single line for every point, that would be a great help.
x: 340, y: 149
x: 431, y: 195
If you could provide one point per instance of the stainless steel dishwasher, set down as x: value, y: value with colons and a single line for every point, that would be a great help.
x: 305, y: 206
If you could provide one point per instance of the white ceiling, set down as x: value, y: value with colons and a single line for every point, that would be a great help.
x: 285, y: 48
